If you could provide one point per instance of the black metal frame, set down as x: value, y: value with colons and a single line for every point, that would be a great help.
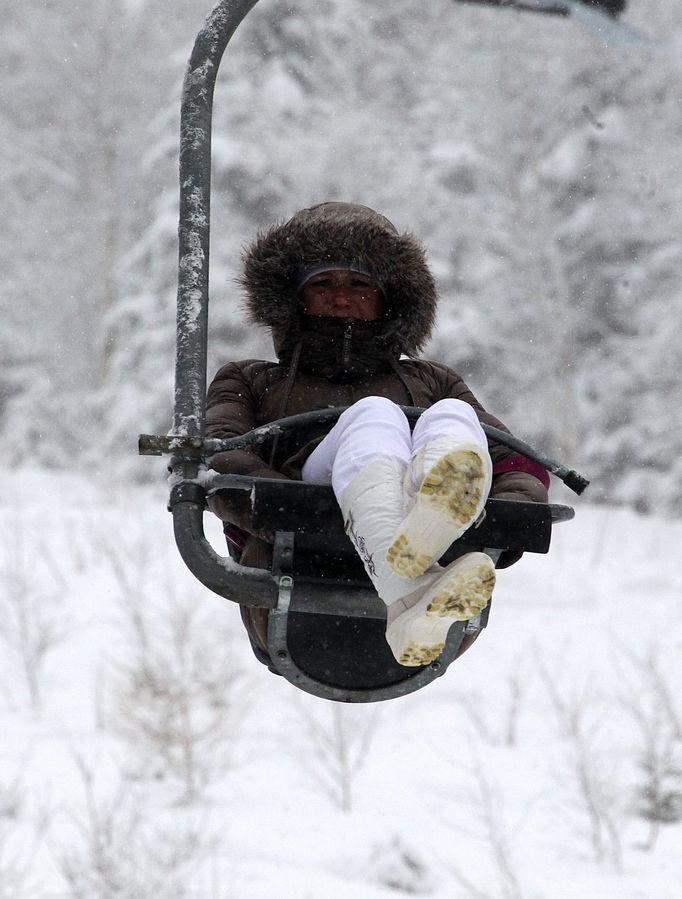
x: 611, y: 8
x: 307, y: 526
x: 288, y: 588
x: 308, y: 516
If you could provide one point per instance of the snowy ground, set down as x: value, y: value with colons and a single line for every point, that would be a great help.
x: 144, y: 752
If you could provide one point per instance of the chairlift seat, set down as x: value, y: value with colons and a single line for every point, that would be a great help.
x: 326, y: 631
x: 326, y: 623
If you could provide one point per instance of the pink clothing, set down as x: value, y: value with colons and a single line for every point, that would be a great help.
x: 522, y: 463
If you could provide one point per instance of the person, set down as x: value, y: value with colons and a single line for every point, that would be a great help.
x: 350, y: 302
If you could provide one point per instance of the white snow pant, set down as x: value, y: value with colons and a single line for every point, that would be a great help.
x: 376, y: 428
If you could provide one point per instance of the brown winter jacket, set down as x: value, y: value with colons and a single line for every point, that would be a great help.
x: 330, y: 363
x: 245, y: 395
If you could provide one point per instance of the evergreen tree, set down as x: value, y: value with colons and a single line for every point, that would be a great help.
x: 540, y: 167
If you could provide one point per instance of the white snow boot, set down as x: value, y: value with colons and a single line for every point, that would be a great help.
x: 446, y: 486
x: 418, y: 624
x: 420, y: 609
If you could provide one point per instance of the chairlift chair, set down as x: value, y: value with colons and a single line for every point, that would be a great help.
x: 326, y: 623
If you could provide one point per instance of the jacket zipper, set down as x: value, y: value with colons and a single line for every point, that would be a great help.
x: 347, y: 337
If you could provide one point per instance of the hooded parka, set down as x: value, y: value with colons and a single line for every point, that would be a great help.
x: 330, y: 362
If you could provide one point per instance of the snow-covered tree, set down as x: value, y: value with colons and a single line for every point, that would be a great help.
x: 540, y: 166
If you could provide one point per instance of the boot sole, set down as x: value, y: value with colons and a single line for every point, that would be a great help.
x: 418, y: 635
x: 450, y: 499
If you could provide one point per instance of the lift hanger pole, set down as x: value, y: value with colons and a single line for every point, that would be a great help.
x: 195, y: 211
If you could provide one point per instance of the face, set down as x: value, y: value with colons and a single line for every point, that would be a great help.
x: 342, y: 294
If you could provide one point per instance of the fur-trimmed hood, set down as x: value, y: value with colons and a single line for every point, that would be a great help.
x: 335, y: 232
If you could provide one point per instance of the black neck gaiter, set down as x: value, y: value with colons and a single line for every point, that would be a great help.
x: 343, y: 349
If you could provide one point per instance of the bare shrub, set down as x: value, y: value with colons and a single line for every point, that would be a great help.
x: 568, y: 702
x: 399, y: 867
x: 181, y: 697
x: 648, y: 695
x: 31, y: 618
x: 339, y: 742
x: 650, y: 687
x: 19, y: 843
x: 177, y: 691
x: 599, y: 796
x: 119, y: 850
x: 11, y: 800
x: 589, y: 772
x: 486, y: 813
x: 659, y: 795
x: 500, y: 727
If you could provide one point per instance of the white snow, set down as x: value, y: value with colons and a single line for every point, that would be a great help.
x: 471, y: 787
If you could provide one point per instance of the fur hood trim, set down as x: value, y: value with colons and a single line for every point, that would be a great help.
x: 340, y: 232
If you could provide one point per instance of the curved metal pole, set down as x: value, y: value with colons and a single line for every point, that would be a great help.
x: 195, y: 199
x: 249, y: 588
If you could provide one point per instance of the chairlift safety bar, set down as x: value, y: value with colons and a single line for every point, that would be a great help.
x: 199, y: 448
